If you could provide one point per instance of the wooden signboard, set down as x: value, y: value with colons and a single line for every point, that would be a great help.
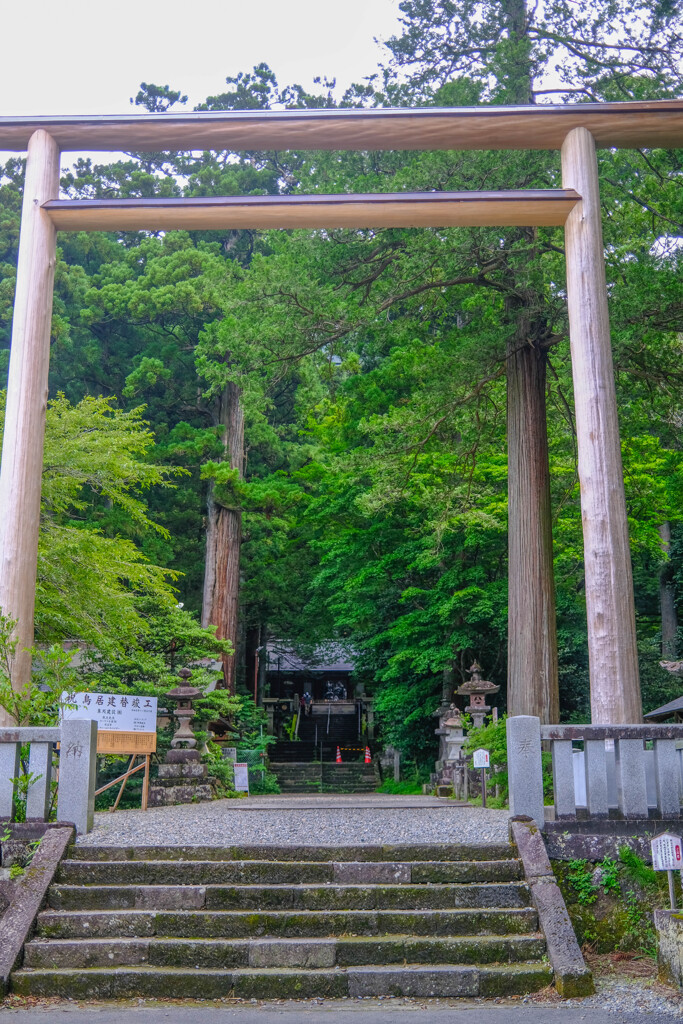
x: 126, y: 725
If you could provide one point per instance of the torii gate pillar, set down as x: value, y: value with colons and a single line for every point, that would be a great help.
x: 22, y: 448
x: 612, y: 651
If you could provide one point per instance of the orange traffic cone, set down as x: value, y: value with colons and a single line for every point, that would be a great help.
x: 368, y: 759
x: 339, y: 760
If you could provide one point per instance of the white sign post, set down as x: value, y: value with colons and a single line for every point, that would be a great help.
x: 481, y: 759
x: 667, y: 855
x: 241, y: 777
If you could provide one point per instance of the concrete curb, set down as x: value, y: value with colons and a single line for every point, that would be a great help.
x: 572, y: 976
x: 27, y: 897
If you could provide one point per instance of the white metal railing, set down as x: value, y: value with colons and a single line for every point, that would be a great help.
x: 613, y: 772
x: 77, y: 741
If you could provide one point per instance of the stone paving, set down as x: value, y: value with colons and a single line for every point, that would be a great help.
x: 326, y: 819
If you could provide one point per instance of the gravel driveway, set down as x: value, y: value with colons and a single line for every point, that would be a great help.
x: 323, y: 820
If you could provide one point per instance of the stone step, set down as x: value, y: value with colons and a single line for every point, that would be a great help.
x: 254, y: 872
x: 291, y: 897
x: 164, y: 872
x: 62, y: 924
x: 449, y: 852
x: 283, y: 983
x: 346, y: 951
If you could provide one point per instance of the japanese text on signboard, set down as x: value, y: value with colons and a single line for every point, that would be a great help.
x: 116, y: 712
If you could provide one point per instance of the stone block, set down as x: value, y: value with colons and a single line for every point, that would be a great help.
x: 14, y: 851
x: 170, y: 897
x: 631, y: 783
x: 667, y: 779
x: 38, y: 796
x: 531, y: 848
x: 9, y: 769
x: 669, y: 928
x: 167, y: 795
x: 524, y: 767
x: 597, y: 797
x: 442, y: 980
x: 295, y: 953
x: 77, y: 767
x: 193, y: 770
x: 563, y: 779
x: 572, y: 977
x: 372, y: 873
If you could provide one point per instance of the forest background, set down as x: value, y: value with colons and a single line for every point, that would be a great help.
x: 321, y: 419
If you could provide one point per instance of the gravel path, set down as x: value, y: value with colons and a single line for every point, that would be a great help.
x: 319, y: 821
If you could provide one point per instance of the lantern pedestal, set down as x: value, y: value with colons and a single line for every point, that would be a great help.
x: 182, y: 779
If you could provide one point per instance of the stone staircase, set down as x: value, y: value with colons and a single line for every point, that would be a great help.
x: 302, y: 777
x: 285, y: 922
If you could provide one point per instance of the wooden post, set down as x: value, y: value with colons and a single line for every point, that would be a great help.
x: 613, y: 660
x: 145, y: 784
x: 22, y: 448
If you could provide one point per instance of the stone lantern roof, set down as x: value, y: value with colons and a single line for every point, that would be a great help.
x: 476, y: 684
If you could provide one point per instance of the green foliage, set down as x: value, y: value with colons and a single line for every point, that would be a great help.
x: 637, y: 869
x: 609, y: 870
x: 33, y: 704
x: 219, y: 768
x: 21, y: 785
x: 581, y: 879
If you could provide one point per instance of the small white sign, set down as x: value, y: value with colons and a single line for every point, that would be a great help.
x: 480, y: 759
x: 230, y: 753
x: 113, y: 712
x: 241, y: 777
x: 667, y: 852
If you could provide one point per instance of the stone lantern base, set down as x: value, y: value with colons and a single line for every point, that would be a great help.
x: 181, y: 784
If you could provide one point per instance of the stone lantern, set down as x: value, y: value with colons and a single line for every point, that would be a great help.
x: 479, y: 691
x: 182, y: 779
x: 451, y: 740
x: 184, y: 740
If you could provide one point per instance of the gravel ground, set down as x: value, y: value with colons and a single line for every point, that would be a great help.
x: 300, y: 821
x: 617, y: 1001
x: 627, y: 999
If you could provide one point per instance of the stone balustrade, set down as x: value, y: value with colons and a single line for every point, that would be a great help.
x: 77, y: 741
x: 613, y: 773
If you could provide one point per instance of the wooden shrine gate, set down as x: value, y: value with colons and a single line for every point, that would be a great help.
x: 575, y: 129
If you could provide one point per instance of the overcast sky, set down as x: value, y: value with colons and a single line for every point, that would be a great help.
x: 90, y: 58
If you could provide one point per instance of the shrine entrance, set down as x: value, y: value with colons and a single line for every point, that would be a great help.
x: 575, y: 129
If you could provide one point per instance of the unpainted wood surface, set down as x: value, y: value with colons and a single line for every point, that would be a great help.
x: 22, y: 448
x: 549, y: 207
x: 544, y: 126
x: 612, y: 652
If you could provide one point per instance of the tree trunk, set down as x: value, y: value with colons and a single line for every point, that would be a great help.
x: 223, y: 539
x: 251, y: 645
x: 262, y: 665
x: 533, y: 687
x: 667, y: 601
x: 532, y: 639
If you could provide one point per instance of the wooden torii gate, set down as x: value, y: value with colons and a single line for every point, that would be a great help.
x: 574, y: 129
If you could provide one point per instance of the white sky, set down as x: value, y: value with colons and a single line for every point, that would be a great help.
x: 90, y: 57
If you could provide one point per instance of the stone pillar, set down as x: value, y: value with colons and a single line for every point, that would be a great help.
x: 525, y: 776
x: 77, y: 771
